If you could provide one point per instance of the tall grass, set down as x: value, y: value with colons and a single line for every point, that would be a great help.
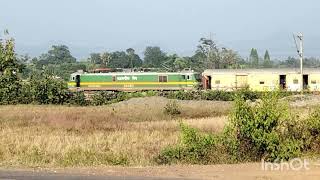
x: 128, y: 133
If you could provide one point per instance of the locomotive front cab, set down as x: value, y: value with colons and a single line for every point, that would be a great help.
x: 191, y: 79
x: 74, y: 81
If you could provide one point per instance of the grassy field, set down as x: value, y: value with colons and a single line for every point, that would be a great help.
x: 128, y: 133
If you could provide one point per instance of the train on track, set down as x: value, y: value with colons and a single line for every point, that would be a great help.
x: 135, y: 81
x: 214, y: 79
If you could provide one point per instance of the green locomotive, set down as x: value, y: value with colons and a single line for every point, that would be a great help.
x: 134, y: 81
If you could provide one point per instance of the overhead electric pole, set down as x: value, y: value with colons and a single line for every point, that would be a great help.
x: 300, y: 50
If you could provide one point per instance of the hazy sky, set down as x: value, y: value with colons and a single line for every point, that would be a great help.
x: 174, y: 25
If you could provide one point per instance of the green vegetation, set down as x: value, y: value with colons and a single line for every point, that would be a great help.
x: 260, y: 126
x: 264, y: 129
x: 10, y: 84
x: 43, y: 87
x: 254, y: 58
x: 127, y: 133
x: 172, y: 108
x: 194, y: 148
x: 267, y: 63
x: 60, y: 63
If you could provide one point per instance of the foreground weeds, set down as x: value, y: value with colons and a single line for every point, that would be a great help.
x: 47, y: 147
x: 264, y: 129
x: 155, y: 130
x: 129, y: 133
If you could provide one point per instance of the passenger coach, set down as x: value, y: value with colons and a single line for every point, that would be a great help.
x: 261, y: 79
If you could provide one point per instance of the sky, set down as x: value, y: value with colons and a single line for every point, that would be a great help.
x: 87, y: 26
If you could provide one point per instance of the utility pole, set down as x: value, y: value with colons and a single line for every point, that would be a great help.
x: 300, y: 50
x: 209, y: 50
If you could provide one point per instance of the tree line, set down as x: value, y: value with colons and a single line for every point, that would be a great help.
x: 25, y: 80
x: 208, y: 55
x: 59, y: 60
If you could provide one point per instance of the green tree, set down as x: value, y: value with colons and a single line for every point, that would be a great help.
x: 105, y: 58
x: 181, y: 63
x: 176, y: 63
x: 135, y: 60
x: 154, y: 57
x: 254, y: 58
x: 209, y: 55
x: 119, y: 59
x: 95, y: 58
x: 267, y: 61
x: 130, y: 53
x: 229, y: 58
x: 58, y: 54
x: 197, y: 61
x: 209, y: 50
x: 10, y: 84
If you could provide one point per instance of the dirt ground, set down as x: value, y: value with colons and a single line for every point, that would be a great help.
x: 249, y: 171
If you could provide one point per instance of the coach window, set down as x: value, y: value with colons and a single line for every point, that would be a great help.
x: 217, y: 82
x: 163, y: 79
x: 183, y: 76
x: 113, y: 78
x: 261, y: 82
x: 313, y: 82
x: 295, y: 81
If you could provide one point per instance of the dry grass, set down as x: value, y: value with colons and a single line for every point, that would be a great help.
x: 109, y: 118
x: 127, y: 133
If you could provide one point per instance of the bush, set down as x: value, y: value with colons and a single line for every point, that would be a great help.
x: 214, y: 95
x: 45, y: 89
x: 180, y: 95
x: 25, y: 96
x: 100, y: 98
x: 248, y: 94
x: 217, y: 95
x: 311, y: 131
x: 172, y: 108
x: 78, y: 98
x: 10, y: 88
x: 259, y: 130
x: 194, y: 148
x: 108, y: 97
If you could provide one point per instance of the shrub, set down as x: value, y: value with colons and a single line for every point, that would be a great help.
x: 194, y: 148
x: 182, y: 95
x: 99, y: 98
x: 313, y: 122
x: 45, y: 89
x: 217, y: 95
x: 108, y: 97
x: 259, y: 131
x: 10, y: 88
x: 248, y: 94
x: 172, y: 108
x: 311, y: 131
x: 10, y: 84
x: 78, y: 98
